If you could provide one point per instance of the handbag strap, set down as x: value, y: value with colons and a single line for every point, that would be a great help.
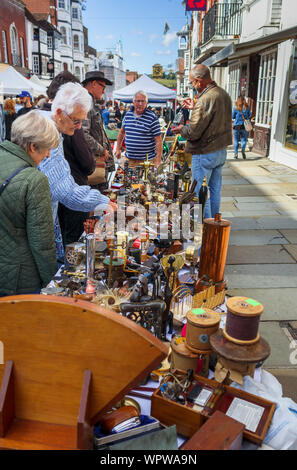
x: 244, y: 119
x: 9, y: 178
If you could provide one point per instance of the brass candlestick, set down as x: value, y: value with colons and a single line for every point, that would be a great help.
x: 146, y: 164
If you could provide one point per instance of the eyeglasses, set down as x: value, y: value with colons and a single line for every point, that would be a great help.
x: 139, y: 101
x: 76, y: 122
x: 101, y: 84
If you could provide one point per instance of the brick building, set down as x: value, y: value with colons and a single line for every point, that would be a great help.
x: 13, y: 44
x: 43, y: 8
x: 131, y: 76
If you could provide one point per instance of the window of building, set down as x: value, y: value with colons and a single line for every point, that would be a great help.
x: 266, y: 86
x: 22, y: 52
x: 234, y: 82
x: 57, y: 44
x: 4, y: 47
x: 50, y: 42
x: 61, y: 4
x: 35, y: 65
x: 77, y: 72
x: 76, y: 42
x: 44, y: 61
x: 291, y: 131
x: 35, y: 34
x: 43, y: 36
x: 64, y: 35
x: 14, y: 45
x: 75, y: 13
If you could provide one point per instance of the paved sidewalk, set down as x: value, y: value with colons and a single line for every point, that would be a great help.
x: 259, y: 197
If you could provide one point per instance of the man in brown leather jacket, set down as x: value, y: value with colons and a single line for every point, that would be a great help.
x: 95, y: 82
x: 208, y: 134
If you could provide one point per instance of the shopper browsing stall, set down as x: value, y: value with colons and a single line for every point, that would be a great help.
x: 27, y: 249
x: 69, y: 109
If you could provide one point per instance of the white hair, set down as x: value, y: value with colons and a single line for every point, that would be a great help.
x: 142, y: 93
x: 69, y: 96
x: 34, y: 128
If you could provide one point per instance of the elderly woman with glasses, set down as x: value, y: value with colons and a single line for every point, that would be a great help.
x: 27, y: 248
x: 69, y: 108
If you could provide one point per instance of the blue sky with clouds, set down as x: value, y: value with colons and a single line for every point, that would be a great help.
x: 139, y: 25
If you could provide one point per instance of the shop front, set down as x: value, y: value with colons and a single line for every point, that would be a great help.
x: 283, y: 144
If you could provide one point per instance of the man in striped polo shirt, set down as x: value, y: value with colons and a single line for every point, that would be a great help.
x: 142, y: 133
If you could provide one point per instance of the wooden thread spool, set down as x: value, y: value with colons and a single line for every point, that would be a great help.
x: 214, y: 250
x: 242, y: 320
x: 201, y: 323
x: 182, y: 358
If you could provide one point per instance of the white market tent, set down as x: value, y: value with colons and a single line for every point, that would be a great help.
x: 155, y: 91
x: 44, y: 84
x: 13, y: 83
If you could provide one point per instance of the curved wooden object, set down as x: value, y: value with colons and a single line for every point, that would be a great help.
x: 55, y: 342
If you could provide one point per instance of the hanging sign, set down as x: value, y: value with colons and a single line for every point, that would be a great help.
x: 196, y: 5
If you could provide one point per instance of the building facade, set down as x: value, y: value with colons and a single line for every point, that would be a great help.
x: 283, y: 140
x: 131, y: 76
x: 112, y: 64
x: 183, y: 63
x: 43, y: 41
x: 70, y: 25
x: 91, y: 61
x: 250, y: 47
x: 13, y: 42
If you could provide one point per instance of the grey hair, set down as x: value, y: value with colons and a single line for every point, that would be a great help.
x: 142, y: 93
x: 201, y: 71
x: 34, y: 128
x: 69, y: 96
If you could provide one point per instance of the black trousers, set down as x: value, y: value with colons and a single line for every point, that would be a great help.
x: 71, y: 223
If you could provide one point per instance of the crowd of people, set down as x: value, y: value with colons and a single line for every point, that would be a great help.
x: 56, y: 162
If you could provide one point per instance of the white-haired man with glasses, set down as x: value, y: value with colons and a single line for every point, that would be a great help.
x: 141, y: 132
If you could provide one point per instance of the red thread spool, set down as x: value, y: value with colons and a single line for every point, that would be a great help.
x: 242, y: 320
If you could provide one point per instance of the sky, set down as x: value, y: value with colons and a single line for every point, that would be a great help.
x: 140, y: 26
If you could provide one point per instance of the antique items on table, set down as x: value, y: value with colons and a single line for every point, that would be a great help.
x: 242, y: 321
x: 66, y: 369
x: 201, y: 324
x: 213, y: 254
x: 190, y: 406
x: 121, y: 419
x: 239, y: 346
x: 183, y: 358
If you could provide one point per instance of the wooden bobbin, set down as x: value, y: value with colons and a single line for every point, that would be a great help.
x: 201, y: 323
x: 242, y: 320
x: 182, y: 358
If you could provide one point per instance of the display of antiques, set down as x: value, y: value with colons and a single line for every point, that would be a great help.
x: 190, y: 400
x: 159, y: 295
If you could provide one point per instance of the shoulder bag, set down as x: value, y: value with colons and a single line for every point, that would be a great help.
x: 247, y: 123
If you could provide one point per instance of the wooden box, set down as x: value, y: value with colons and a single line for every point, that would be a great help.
x: 189, y: 418
x: 67, y: 363
x: 220, y: 432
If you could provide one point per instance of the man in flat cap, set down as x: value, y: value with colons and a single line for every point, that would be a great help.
x: 95, y: 83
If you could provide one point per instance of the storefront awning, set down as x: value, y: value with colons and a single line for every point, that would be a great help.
x: 220, y: 56
x: 255, y: 46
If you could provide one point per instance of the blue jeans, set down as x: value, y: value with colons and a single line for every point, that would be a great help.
x: 240, y: 134
x: 210, y: 165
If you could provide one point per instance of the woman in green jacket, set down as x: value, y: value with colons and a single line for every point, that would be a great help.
x: 27, y: 248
